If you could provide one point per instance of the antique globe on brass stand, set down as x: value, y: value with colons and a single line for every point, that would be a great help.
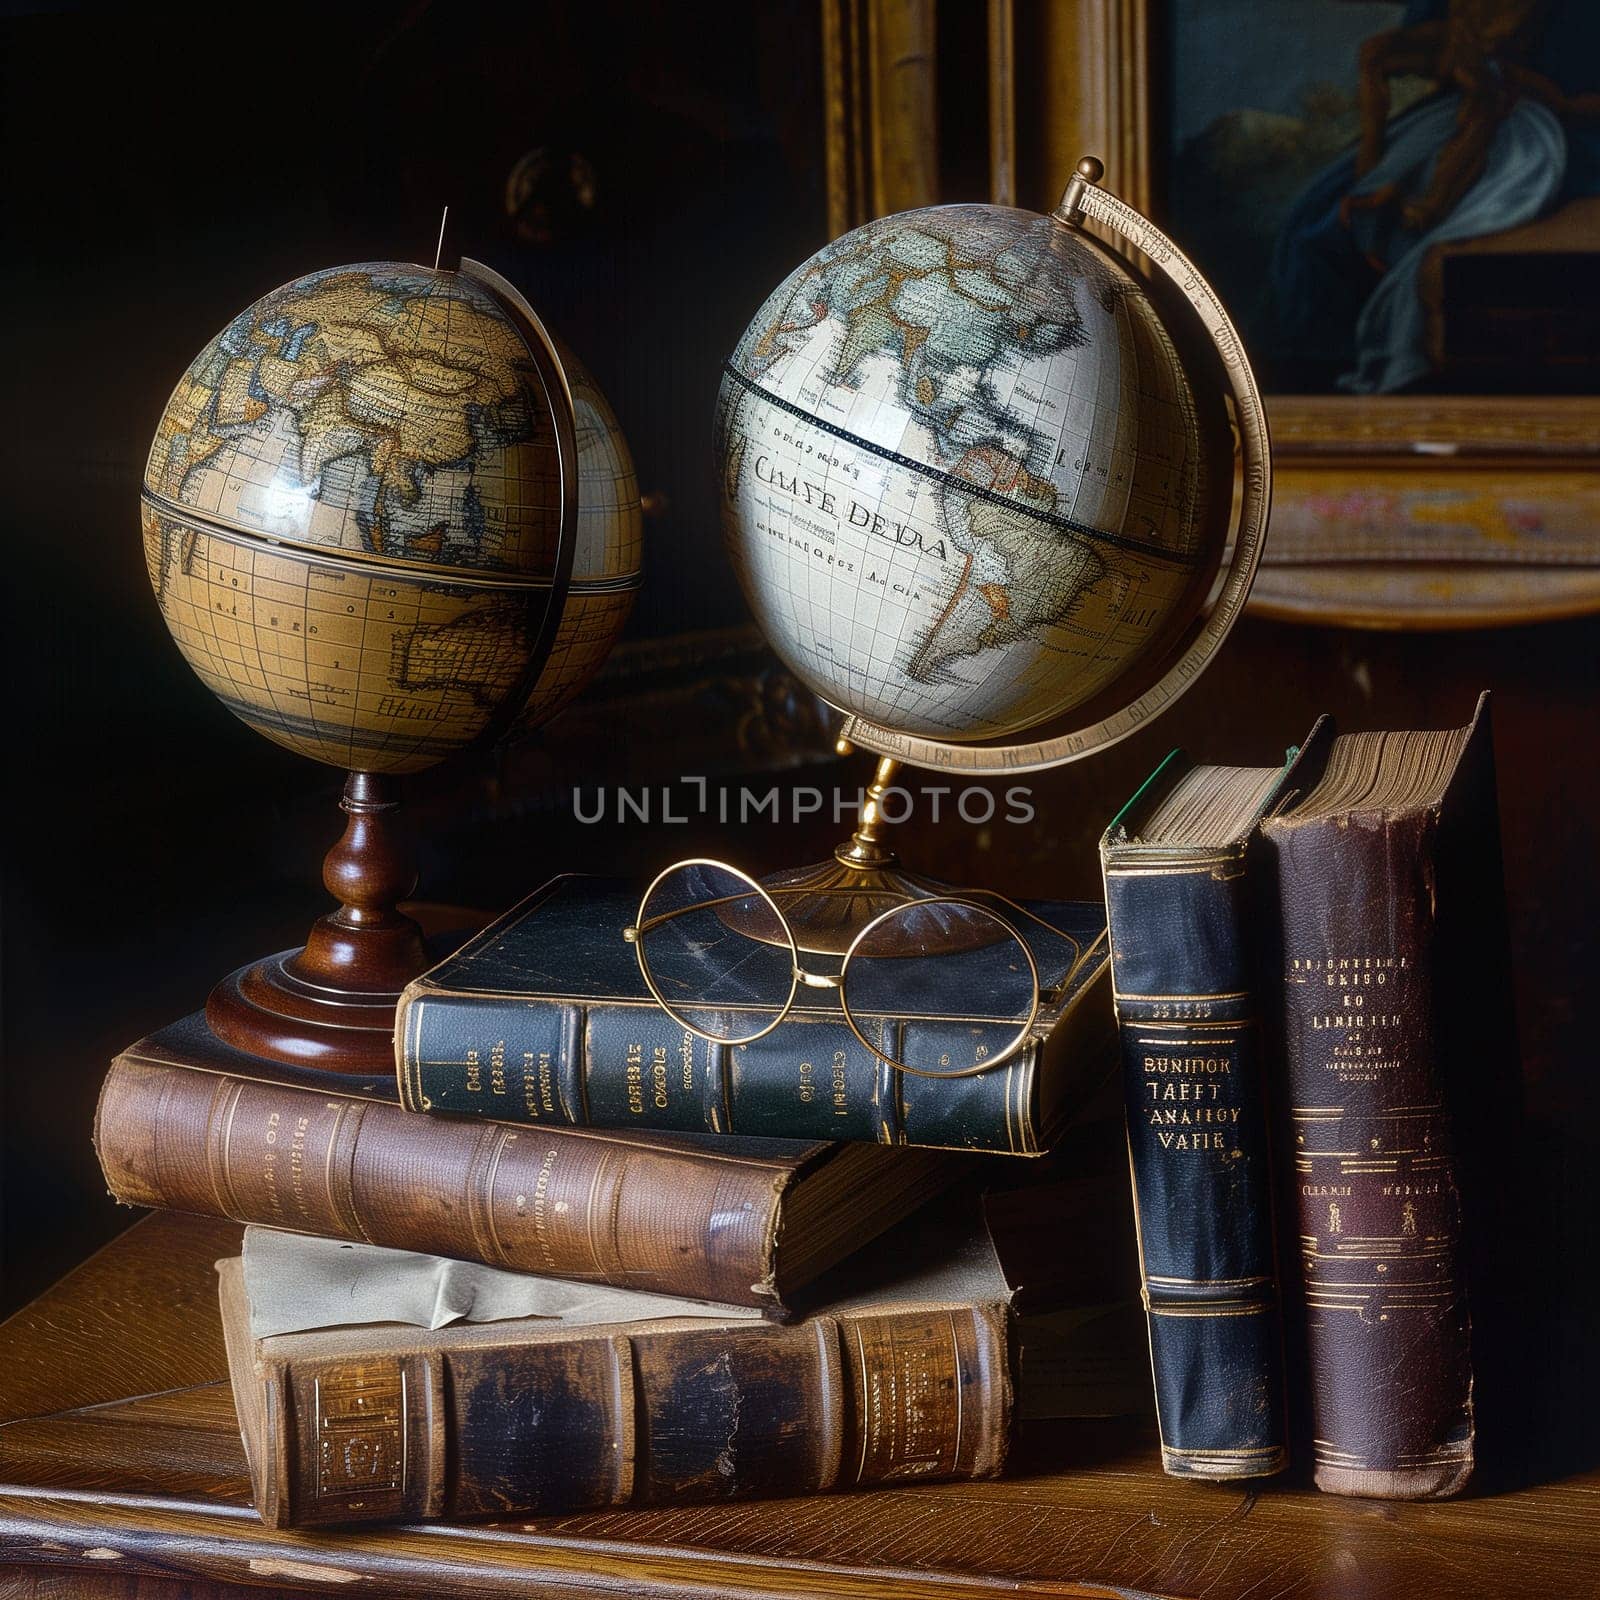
x: 978, y: 479
x: 386, y: 519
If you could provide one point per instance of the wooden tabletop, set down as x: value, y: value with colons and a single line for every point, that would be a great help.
x: 121, y: 1474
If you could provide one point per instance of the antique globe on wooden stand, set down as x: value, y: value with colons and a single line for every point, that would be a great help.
x: 978, y: 484
x: 386, y: 520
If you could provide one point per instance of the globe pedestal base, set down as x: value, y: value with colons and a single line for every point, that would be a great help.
x: 331, y: 1004
x: 829, y: 902
x: 264, y: 1009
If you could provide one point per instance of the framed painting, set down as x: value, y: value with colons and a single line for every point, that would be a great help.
x: 1399, y: 200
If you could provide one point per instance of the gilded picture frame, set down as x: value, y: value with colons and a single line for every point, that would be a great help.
x: 1415, y: 511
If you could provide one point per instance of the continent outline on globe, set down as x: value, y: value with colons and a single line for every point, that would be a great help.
x: 943, y: 346
x: 351, y: 513
x: 409, y: 373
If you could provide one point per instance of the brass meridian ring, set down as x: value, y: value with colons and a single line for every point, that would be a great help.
x: 1255, y: 501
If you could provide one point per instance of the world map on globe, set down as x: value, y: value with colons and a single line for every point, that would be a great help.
x: 966, y: 484
x: 351, y: 512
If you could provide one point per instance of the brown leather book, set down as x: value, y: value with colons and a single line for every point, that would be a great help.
x: 187, y: 1124
x: 382, y: 1422
x: 1396, y: 1021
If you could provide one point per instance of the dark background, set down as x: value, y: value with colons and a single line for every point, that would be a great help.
x: 164, y: 169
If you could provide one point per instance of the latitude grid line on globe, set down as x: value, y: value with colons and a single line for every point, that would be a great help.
x: 244, y: 579
x: 226, y: 640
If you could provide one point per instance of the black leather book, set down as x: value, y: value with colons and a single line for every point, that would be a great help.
x: 1175, y: 864
x: 544, y: 1018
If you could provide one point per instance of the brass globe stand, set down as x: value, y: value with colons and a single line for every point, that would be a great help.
x: 829, y: 902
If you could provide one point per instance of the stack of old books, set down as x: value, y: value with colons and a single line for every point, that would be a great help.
x: 570, y: 1255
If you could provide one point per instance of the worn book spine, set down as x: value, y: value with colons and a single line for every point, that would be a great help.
x: 542, y: 1200
x: 618, y: 1417
x: 627, y: 1064
x: 1385, y: 1307
x: 1198, y: 1147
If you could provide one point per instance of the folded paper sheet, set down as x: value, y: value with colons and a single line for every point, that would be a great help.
x: 296, y: 1283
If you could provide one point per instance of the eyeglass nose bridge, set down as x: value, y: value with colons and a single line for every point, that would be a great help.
x: 819, y: 980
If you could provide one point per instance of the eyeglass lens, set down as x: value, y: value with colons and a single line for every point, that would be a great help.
x: 932, y: 960
x: 710, y: 940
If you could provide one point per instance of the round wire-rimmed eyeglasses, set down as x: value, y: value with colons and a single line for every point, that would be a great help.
x: 721, y: 959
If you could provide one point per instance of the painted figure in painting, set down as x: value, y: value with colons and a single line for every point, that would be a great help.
x: 1509, y: 132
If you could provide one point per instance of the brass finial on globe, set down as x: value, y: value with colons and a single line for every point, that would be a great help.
x: 386, y: 520
x: 978, y: 480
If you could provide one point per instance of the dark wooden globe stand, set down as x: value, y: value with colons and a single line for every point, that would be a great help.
x: 331, y: 1004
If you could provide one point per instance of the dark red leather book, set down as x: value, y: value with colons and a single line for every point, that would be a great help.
x: 1395, y: 1013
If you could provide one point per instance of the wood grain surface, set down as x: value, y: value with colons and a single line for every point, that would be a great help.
x: 120, y: 1466
x: 67, y: 1583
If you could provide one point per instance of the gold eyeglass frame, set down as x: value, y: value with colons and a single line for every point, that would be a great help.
x: 966, y: 899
